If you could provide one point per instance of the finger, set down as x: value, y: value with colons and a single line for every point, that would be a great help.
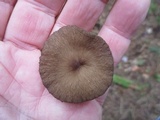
x: 6, y: 7
x: 82, y: 13
x: 121, y: 23
x: 123, y: 20
x: 31, y: 22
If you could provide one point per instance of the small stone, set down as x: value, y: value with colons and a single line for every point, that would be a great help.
x: 145, y: 76
x: 149, y: 30
x: 135, y: 68
x: 125, y: 59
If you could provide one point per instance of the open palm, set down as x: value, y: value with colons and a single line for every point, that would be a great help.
x: 26, y: 24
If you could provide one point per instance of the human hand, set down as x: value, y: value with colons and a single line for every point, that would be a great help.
x: 22, y: 94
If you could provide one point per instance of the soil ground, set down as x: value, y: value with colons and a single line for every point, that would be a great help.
x: 140, y: 64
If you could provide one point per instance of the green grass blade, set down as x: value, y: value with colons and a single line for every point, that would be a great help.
x: 126, y: 83
x: 155, y: 49
x: 122, y: 81
x: 157, y: 77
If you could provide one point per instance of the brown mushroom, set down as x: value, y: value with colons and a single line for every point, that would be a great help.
x: 75, y: 65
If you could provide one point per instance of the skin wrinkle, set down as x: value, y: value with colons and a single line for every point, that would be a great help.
x: 132, y: 24
x: 36, y: 107
x: 116, y: 30
x: 9, y: 74
x: 7, y: 102
x: 124, y: 33
x: 113, y: 39
x: 10, y: 66
x: 22, y: 113
x: 14, y: 80
x: 8, y: 7
x: 23, y: 89
x: 25, y: 115
x: 38, y: 113
x: 30, y: 29
x: 20, y: 102
x: 40, y: 7
x: 39, y: 100
x: 20, y: 105
x: 9, y: 99
x: 18, y: 43
x: 79, y: 112
x: 69, y: 117
x: 91, y: 17
x: 8, y: 90
x: 120, y: 32
x: 13, y: 71
x: 10, y: 2
x: 51, y: 4
x: 95, y: 12
x: 35, y: 77
x: 105, y: 1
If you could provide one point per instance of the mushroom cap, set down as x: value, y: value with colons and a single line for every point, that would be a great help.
x: 75, y: 65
